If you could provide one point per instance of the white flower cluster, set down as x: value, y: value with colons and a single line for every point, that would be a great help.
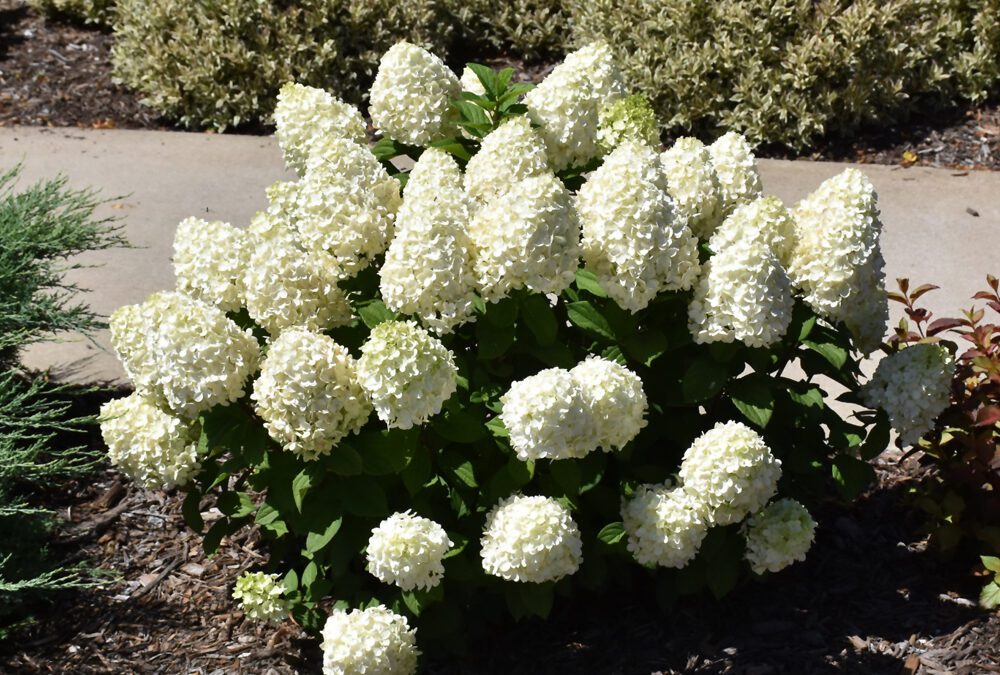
x: 288, y: 287
x: 664, y: 524
x: 778, y: 536
x: 308, y: 393
x: 731, y: 472
x: 567, y: 104
x: 736, y: 171
x: 548, y: 417
x: 634, y: 241
x: 559, y: 414
x: 339, y: 222
x: 373, y: 641
x: 428, y: 270
x: 692, y: 183
x: 304, y: 116
x: 838, y: 259
x: 355, y: 163
x: 913, y: 386
x: 259, y: 595
x: 209, y: 262
x: 531, y: 539
x: 744, y: 292
x: 406, y: 372
x: 627, y: 119
x: 410, y: 99
x: 183, y: 353
x: 526, y: 237
x: 615, y: 398
x: 408, y: 551
x: 149, y: 445
x: 508, y: 154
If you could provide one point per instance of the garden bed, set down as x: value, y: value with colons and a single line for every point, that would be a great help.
x: 869, y: 599
x: 58, y: 74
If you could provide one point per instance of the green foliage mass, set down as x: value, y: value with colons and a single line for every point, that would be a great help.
x: 40, y: 434
x: 220, y: 63
x: 789, y: 71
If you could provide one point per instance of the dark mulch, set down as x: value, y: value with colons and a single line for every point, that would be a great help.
x: 59, y: 74
x: 868, y: 600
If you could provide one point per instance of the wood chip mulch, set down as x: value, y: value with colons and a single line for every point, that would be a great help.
x: 54, y: 73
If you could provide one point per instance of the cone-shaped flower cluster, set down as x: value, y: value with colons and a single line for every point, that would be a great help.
x: 305, y: 116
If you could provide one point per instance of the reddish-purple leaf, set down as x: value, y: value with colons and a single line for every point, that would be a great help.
x: 896, y: 297
x: 994, y: 305
x: 939, y: 325
x: 921, y: 289
x: 984, y: 295
x: 987, y: 416
x: 918, y: 314
x: 992, y: 281
x: 904, y: 284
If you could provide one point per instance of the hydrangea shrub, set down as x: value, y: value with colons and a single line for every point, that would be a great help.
x: 556, y: 364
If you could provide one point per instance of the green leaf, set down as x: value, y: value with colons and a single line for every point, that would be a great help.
x: 566, y: 473
x: 991, y: 563
x: 363, y: 496
x: 503, y: 79
x: 835, y: 355
x: 540, y: 318
x: 386, y: 149
x: 878, y: 438
x: 344, y: 460
x: 528, y: 599
x: 493, y: 341
x: 472, y: 113
x: 375, y: 312
x: 222, y: 528
x: 587, y: 281
x: 301, y: 484
x: 520, y: 88
x: 234, y: 428
x: 989, y: 597
x: 459, y: 426
x: 497, y: 428
x: 386, y: 451
x: 457, y: 466
x: 418, y: 472
x: 703, y: 379
x: 647, y: 346
x: 316, y: 541
x: 191, y: 510
x: 752, y: 396
x: 809, y: 400
x: 612, y: 533
x: 455, y: 147
x: 419, y: 600
x: 487, y: 77
x: 236, y: 504
x: 586, y: 316
x: 852, y: 475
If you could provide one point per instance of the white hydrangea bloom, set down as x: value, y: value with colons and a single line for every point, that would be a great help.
x: 731, y: 471
x: 308, y: 393
x: 288, y: 287
x: 913, y: 386
x: 837, y: 260
x: 508, y: 154
x: 411, y: 97
x: 339, y: 222
x: 744, y: 292
x: 693, y: 185
x: 428, y: 270
x: 408, y: 551
x: 407, y: 373
x: 209, y: 260
x: 567, y: 104
x: 373, y: 641
x: 616, y: 400
x: 736, y: 170
x: 259, y: 595
x: 778, y: 536
x: 548, y: 417
x: 531, y: 539
x: 356, y: 164
x: 633, y: 239
x: 627, y: 119
x: 664, y: 524
x: 149, y: 445
x: 305, y: 115
x: 528, y: 237
x: 183, y: 353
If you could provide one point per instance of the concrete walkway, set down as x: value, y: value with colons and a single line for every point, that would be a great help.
x: 940, y: 226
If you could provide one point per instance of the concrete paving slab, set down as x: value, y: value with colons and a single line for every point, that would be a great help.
x: 931, y: 232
